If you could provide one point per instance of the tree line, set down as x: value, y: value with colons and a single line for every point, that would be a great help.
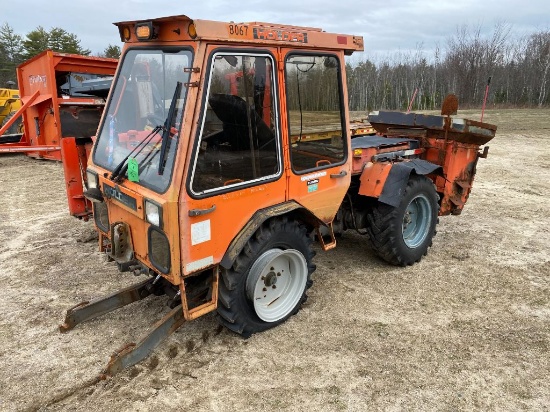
x: 519, y: 68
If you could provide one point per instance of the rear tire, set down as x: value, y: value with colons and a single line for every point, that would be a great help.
x: 402, y: 235
x: 268, y: 281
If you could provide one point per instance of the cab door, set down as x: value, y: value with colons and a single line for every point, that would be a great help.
x: 315, y: 113
x: 236, y: 167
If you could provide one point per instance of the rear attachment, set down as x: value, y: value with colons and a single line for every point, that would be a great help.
x: 447, y: 141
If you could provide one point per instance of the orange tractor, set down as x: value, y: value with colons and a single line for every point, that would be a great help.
x: 225, y: 151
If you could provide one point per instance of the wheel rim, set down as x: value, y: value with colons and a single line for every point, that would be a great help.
x: 417, y: 221
x: 276, y: 283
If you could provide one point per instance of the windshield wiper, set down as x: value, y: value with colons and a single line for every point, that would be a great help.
x: 168, y: 129
x: 122, y: 167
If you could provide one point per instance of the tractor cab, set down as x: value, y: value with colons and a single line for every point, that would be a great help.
x: 208, y: 123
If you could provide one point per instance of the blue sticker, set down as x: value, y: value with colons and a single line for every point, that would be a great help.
x: 312, y: 185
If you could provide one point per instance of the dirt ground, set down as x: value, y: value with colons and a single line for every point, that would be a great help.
x: 466, y: 328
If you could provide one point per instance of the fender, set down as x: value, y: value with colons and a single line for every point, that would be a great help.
x: 257, y: 219
x: 391, y: 179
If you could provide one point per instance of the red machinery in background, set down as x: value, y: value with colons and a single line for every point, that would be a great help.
x: 62, y: 96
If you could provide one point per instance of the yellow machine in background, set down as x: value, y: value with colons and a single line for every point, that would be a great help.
x: 9, y: 104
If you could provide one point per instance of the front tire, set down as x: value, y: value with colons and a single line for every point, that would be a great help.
x: 268, y: 281
x: 402, y: 235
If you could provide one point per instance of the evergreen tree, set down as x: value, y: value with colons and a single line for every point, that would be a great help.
x: 112, y: 52
x: 11, y: 53
x: 36, y: 42
x: 62, y: 41
x: 57, y: 39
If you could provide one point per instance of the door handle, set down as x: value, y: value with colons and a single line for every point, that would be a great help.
x: 200, y: 212
x: 338, y: 175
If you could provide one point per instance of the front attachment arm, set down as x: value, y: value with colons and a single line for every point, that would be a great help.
x: 133, y: 353
x: 90, y: 310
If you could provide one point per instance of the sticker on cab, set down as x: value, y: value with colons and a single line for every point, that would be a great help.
x: 200, y: 232
x: 133, y: 170
x: 312, y: 185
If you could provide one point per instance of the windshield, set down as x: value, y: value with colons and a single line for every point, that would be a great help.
x: 138, y: 117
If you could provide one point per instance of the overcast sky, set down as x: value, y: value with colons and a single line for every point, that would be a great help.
x: 386, y: 25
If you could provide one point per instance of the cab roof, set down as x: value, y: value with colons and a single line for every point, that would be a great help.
x: 180, y: 28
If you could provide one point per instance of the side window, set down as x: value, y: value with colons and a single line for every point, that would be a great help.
x: 314, y: 111
x: 238, y: 139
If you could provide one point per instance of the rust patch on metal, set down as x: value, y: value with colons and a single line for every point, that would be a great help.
x: 450, y: 105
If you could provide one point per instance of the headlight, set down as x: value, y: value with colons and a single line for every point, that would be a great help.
x: 153, y: 213
x: 101, y: 216
x: 92, y: 179
x: 146, y: 31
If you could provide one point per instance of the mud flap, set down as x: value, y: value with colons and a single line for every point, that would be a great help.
x: 396, y: 183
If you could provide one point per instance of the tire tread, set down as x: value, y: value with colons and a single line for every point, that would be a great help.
x: 231, y: 312
x: 384, y: 223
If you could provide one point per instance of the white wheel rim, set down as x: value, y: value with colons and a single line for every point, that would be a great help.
x: 276, y: 282
x: 417, y: 221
